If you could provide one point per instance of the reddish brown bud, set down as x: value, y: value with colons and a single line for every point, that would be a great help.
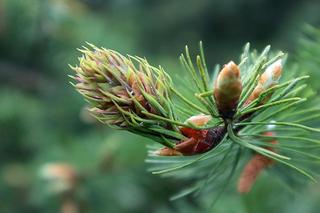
x: 188, y: 146
x: 198, y: 120
x: 253, y: 168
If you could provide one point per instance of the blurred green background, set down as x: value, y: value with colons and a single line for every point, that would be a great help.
x: 42, y: 118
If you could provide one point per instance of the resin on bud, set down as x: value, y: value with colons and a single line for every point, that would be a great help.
x: 227, y: 90
x: 268, y: 79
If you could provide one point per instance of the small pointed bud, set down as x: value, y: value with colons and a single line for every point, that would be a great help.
x: 269, y: 78
x: 272, y: 74
x: 228, y: 88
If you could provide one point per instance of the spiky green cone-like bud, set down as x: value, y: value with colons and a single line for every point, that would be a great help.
x: 121, y: 90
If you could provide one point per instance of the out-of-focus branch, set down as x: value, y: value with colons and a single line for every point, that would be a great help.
x: 22, y: 77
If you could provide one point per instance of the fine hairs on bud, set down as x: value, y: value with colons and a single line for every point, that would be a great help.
x: 269, y: 78
x: 272, y: 74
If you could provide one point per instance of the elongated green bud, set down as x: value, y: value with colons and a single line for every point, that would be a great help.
x: 227, y: 89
